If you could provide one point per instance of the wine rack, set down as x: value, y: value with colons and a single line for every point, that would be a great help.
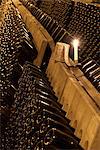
x: 16, y: 48
x: 58, y: 109
x: 79, y: 98
x: 82, y: 26
x: 36, y: 119
x: 60, y: 11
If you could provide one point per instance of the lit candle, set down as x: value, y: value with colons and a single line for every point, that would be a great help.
x: 75, y: 45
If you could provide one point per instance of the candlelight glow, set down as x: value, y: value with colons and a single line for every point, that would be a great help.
x: 75, y: 42
x: 75, y: 45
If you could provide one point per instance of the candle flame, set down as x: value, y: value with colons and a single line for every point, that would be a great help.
x: 75, y: 42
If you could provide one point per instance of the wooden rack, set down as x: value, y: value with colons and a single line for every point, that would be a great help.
x: 80, y: 99
x: 40, y: 36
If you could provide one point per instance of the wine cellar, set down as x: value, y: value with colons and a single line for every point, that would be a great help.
x: 50, y: 74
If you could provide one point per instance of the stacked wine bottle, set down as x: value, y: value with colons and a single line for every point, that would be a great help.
x: 37, y: 120
x: 56, y: 30
x: 31, y: 117
x: 82, y: 24
x: 16, y: 48
x: 60, y: 10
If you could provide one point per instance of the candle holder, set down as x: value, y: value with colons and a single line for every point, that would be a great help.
x: 61, y: 54
x: 68, y: 64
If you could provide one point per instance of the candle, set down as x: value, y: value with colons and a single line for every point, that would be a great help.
x: 75, y: 45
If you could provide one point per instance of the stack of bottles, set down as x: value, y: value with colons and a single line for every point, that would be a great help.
x: 57, y: 32
x: 37, y: 120
x: 31, y: 117
x: 33, y: 2
x: 91, y: 70
x: 47, y: 6
x: 61, y: 11
x: 16, y: 48
x: 83, y: 25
